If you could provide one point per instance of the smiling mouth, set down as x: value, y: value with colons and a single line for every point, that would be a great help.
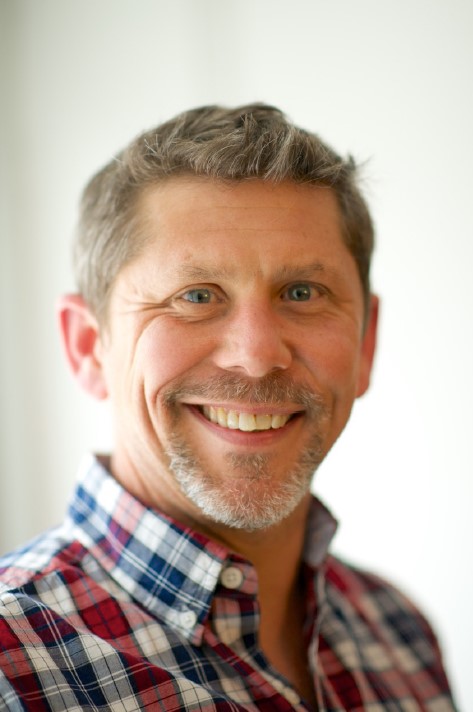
x: 247, y: 422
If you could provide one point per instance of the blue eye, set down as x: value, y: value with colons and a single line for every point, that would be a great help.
x: 198, y: 296
x: 299, y: 292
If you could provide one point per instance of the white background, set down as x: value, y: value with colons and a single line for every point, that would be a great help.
x: 390, y: 82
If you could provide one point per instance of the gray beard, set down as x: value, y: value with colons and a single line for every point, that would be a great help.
x: 238, y: 506
x: 250, y: 500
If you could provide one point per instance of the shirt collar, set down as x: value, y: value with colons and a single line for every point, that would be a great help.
x: 168, y: 568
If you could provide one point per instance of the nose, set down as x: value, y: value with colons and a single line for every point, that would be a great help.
x: 252, y: 342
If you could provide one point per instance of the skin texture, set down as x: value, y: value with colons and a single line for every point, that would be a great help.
x: 243, y: 297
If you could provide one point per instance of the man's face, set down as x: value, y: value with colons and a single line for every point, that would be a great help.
x: 234, y: 349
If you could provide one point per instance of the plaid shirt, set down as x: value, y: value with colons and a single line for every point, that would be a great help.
x: 123, y: 609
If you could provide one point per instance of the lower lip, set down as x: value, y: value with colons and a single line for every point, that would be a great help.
x: 253, y: 438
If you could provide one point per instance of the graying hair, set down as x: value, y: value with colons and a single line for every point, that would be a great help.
x: 247, y: 142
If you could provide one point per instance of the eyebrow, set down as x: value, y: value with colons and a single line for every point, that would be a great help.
x: 209, y: 273
x: 301, y: 271
x: 205, y: 274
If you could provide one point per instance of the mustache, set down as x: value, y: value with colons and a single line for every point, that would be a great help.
x: 272, y: 389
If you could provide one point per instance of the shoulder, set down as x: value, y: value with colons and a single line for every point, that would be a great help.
x: 35, y: 588
x: 51, y: 552
x: 367, y: 602
x: 48, y: 603
x: 365, y: 589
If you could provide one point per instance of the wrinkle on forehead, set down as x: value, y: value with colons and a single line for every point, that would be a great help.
x: 184, y: 195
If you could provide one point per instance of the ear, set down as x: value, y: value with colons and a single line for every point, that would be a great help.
x: 81, y: 340
x: 368, y: 347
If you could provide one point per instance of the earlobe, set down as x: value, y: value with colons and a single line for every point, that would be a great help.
x: 368, y: 347
x: 81, y: 340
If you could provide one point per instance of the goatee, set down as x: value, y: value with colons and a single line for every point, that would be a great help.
x: 246, y: 496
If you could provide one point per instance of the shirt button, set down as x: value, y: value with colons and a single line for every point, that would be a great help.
x: 188, y: 619
x: 231, y: 577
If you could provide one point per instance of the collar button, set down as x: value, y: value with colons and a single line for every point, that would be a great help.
x: 231, y: 577
x: 187, y: 619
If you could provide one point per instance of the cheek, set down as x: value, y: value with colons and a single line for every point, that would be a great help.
x: 334, y: 362
x: 166, y: 352
x: 335, y: 368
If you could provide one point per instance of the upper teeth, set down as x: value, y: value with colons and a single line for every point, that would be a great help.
x: 244, y: 421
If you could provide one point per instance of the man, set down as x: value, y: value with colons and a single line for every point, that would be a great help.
x: 225, y: 310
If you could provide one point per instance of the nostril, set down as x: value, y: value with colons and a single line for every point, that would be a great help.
x: 254, y: 355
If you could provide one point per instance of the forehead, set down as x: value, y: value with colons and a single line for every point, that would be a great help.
x: 196, y: 213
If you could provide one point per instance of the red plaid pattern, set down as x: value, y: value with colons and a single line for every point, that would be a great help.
x: 123, y: 609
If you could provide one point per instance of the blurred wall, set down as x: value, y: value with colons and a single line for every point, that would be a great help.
x: 388, y: 81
